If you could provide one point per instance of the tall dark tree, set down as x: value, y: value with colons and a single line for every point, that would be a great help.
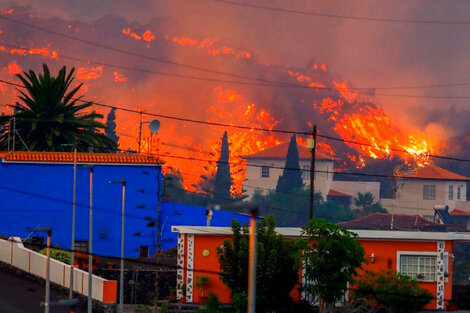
x: 277, y: 266
x: 291, y: 177
x: 111, y: 126
x: 223, y: 180
x: 49, y: 115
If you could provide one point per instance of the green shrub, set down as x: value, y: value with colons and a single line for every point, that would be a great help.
x: 212, y: 302
x: 59, y: 255
x: 398, y: 292
x: 164, y: 308
x: 240, y: 302
x: 143, y: 309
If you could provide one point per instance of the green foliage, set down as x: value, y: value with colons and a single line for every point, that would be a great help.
x: 291, y: 178
x: 277, y: 268
x: 396, y: 291
x: 48, y: 116
x: 111, y: 126
x: 332, y: 258
x: 146, y: 309
x: 212, y: 302
x: 59, y: 255
x: 164, y: 308
x: 183, y: 289
x: 202, y: 281
x: 240, y: 302
x: 223, y: 179
x: 366, y: 205
x: 292, y: 209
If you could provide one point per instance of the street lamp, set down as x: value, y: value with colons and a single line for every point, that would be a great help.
x: 74, y: 201
x: 90, y: 243
x: 47, y: 230
x: 121, y: 279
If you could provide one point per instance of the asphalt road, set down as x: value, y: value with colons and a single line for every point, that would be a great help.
x: 20, y: 295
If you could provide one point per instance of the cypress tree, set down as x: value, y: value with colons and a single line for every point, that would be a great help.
x: 223, y: 180
x: 111, y: 126
x: 291, y: 177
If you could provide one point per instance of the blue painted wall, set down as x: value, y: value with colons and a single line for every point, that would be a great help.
x: 40, y: 195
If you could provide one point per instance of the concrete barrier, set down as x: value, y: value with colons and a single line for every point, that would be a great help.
x: 13, y: 252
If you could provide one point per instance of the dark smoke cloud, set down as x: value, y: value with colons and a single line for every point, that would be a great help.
x: 363, y: 53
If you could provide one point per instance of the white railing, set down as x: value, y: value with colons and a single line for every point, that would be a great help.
x: 14, y: 253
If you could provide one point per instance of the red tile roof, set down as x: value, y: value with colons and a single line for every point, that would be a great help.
x: 280, y: 152
x: 434, y: 172
x: 67, y: 157
x: 383, y: 221
x: 335, y: 193
x: 458, y: 212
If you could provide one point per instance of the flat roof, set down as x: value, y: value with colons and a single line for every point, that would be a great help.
x: 294, y: 232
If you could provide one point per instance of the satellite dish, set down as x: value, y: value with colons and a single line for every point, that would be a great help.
x: 154, y: 126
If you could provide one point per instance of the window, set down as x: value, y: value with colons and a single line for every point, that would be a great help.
x: 265, y: 172
x: 418, y: 267
x: 81, y: 245
x: 458, y: 192
x: 451, y: 192
x: 429, y: 192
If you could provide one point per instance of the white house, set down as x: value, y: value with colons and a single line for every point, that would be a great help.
x: 269, y: 166
x: 418, y: 191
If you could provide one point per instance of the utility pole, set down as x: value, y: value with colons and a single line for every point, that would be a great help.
x: 72, y: 256
x: 252, y: 262
x: 90, y: 247
x: 312, y: 142
x: 123, y: 210
x: 140, y: 131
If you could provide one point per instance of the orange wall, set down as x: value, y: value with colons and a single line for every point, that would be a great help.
x: 209, y: 266
x: 385, y: 257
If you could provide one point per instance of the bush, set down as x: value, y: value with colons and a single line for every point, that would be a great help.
x: 212, y: 302
x: 164, y: 308
x: 396, y: 291
x: 59, y: 255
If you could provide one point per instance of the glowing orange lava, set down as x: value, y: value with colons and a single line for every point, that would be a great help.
x: 119, y: 78
x: 210, y: 46
x: 89, y: 73
x: 14, y: 68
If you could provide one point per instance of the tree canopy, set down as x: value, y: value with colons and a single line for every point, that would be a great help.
x: 292, y: 209
x: 49, y: 115
x: 332, y: 259
x: 277, y: 267
x: 223, y: 180
x: 111, y: 126
x: 291, y: 177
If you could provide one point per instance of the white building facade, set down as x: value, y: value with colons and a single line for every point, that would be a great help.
x: 417, y: 192
x: 267, y: 166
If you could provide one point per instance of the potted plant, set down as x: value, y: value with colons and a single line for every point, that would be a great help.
x: 202, y: 282
x: 420, y: 276
x: 183, y: 293
x: 173, y: 294
x: 452, y: 306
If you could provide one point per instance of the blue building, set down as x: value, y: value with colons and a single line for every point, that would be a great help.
x: 37, y: 189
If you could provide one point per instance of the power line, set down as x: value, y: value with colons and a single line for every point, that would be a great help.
x: 271, y: 83
x: 266, y: 82
x: 182, y: 119
x: 344, y: 17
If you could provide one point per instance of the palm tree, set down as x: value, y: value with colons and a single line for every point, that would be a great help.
x: 364, y: 200
x: 49, y: 116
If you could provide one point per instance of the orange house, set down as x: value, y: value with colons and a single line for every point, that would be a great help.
x: 426, y: 256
